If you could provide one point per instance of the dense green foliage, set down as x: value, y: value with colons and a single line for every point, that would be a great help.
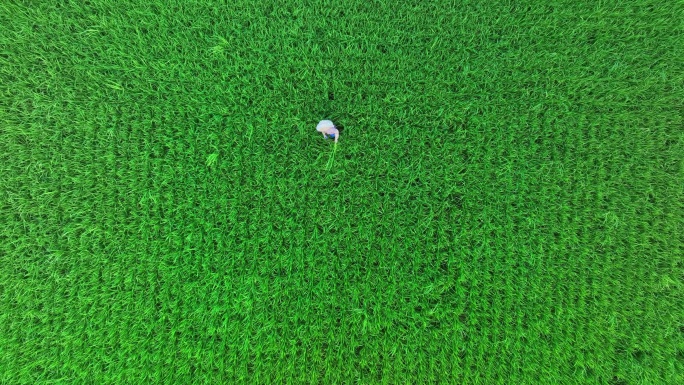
x: 506, y: 203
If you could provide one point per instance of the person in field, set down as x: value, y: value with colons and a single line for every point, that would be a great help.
x: 328, y: 129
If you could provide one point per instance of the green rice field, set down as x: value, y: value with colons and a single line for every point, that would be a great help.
x: 505, y: 204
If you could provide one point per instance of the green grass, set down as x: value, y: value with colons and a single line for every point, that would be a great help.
x: 505, y: 206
